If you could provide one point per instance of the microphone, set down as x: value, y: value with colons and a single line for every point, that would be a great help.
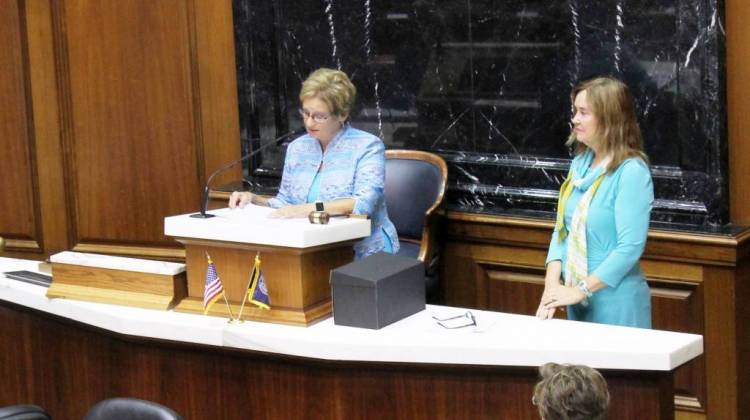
x: 204, y: 203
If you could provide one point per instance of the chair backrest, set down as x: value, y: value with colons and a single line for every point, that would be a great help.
x: 23, y: 412
x: 414, y: 187
x: 130, y: 409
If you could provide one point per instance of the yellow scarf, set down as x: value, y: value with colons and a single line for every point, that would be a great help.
x: 565, y: 190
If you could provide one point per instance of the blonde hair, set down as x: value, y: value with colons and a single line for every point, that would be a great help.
x: 618, y: 132
x: 571, y: 392
x: 332, y: 87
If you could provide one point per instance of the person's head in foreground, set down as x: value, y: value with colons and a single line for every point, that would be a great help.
x: 571, y: 392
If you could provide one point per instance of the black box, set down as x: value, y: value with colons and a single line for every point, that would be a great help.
x: 378, y: 290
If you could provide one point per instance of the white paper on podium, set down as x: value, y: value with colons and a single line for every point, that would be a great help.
x: 250, y: 210
x: 251, y: 224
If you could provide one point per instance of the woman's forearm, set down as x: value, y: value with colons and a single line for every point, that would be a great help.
x: 554, y: 271
x: 340, y: 206
x: 259, y: 200
x: 594, y: 283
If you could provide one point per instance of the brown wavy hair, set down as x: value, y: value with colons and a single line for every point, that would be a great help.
x: 618, y: 132
x: 571, y: 392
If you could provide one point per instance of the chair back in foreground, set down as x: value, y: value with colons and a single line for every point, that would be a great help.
x: 130, y: 409
x: 23, y: 412
x: 415, y: 183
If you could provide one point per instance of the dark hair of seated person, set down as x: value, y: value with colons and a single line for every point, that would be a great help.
x: 571, y: 392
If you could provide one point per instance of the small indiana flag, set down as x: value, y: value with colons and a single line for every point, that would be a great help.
x: 214, y: 288
x: 258, y: 292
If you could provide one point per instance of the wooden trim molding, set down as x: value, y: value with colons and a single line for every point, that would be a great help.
x: 701, y: 238
x: 176, y: 254
x: 19, y: 190
x: 727, y: 248
x: 65, y: 122
x: 24, y: 245
x: 49, y: 151
x: 500, y: 220
x: 214, y: 78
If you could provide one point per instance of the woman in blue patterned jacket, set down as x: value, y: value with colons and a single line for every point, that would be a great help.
x: 334, y: 163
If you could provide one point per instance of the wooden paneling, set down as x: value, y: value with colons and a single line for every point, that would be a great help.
x: 112, y: 114
x: 697, y: 286
x: 511, y: 290
x: 720, y: 337
x: 66, y: 367
x: 742, y: 288
x: 678, y: 306
x: 130, y: 128
x: 214, y: 64
x: 19, y: 216
x: 737, y: 13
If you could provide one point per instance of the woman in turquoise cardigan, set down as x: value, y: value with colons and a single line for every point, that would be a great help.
x: 334, y: 165
x: 602, y: 214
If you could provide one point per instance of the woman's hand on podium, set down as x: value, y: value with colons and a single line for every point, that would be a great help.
x: 294, y: 211
x: 240, y: 199
x: 543, y: 312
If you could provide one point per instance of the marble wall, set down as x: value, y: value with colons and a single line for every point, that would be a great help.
x: 486, y: 84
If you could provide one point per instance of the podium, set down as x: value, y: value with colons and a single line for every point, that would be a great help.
x: 296, y: 260
x: 116, y: 280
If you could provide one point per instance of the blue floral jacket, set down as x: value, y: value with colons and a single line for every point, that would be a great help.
x: 353, y: 167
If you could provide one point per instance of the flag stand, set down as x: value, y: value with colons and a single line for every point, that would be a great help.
x: 249, y: 283
x: 231, y: 315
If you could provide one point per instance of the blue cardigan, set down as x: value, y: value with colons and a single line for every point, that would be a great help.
x: 616, y: 231
x: 353, y: 167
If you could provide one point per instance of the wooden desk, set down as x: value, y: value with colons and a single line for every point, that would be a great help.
x: 66, y: 355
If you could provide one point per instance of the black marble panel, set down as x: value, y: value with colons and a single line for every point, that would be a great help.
x: 486, y: 84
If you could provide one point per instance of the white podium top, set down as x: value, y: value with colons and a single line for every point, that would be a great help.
x: 251, y: 225
x: 499, y: 339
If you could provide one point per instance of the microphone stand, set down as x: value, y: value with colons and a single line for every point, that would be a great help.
x: 204, y: 203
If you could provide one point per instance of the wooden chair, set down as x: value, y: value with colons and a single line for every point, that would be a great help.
x: 415, y: 183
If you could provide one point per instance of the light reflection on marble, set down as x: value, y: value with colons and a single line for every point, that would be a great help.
x: 486, y: 85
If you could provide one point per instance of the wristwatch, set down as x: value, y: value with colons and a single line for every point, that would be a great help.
x: 584, y: 287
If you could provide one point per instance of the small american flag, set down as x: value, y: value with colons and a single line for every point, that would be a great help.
x: 214, y: 288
